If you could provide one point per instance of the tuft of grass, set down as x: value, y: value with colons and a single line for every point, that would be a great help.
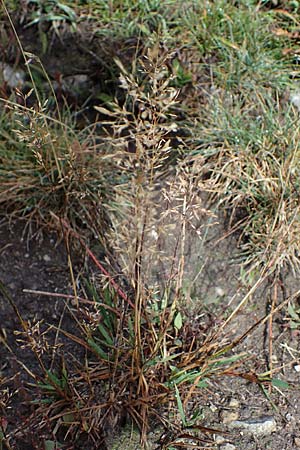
x: 253, y: 169
x: 141, y: 353
x: 229, y: 132
x: 246, y: 130
x: 48, y: 168
x: 237, y: 42
x: 137, y: 361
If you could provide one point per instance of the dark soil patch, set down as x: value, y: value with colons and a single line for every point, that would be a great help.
x: 80, y: 65
x: 38, y: 264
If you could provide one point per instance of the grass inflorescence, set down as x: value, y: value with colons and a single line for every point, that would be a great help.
x: 202, y: 110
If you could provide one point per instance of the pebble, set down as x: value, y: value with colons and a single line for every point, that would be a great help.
x: 219, y: 291
x: 297, y: 368
x: 233, y: 403
x: 46, y: 258
x: 274, y: 359
x: 297, y: 441
x: 219, y: 439
x: 295, y: 100
x: 229, y: 416
x: 213, y: 407
x: 14, y: 78
x: 289, y: 417
x: 227, y: 446
x: 260, y: 426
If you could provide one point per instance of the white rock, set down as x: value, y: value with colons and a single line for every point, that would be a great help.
x: 289, y: 417
x: 274, y: 359
x: 219, y: 439
x: 260, y: 426
x: 297, y: 367
x: 46, y: 258
x: 219, y: 291
x: 295, y: 99
x: 227, y: 446
x: 13, y: 77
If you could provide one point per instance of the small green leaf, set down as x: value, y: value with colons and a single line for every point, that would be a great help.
x: 280, y: 383
x: 160, y: 360
x: 144, y: 29
x: 185, y: 377
x: 46, y: 387
x: 68, y: 418
x: 44, y: 41
x: 293, y: 313
x: 178, y: 321
x: 108, y: 296
x: 69, y: 11
x: 180, y: 406
x: 105, y: 98
x: 202, y: 384
x: 266, y: 393
x: 130, y: 328
x: 294, y: 325
x: 97, y: 349
x: 226, y: 360
x: 54, y: 379
x: 105, y: 334
x: 52, y: 445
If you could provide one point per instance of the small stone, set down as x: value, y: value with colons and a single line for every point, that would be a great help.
x: 213, y: 407
x: 154, y: 233
x: 233, y: 403
x: 219, y: 439
x: 260, y: 426
x: 227, y: 446
x: 297, y: 367
x: 26, y: 255
x: 46, y: 258
x: 274, y: 359
x: 289, y: 417
x: 219, y: 291
x: 14, y: 77
x: 297, y: 441
x: 295, y: 100
x: 229, y: 416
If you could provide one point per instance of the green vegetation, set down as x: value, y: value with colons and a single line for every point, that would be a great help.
x: 201, y: 105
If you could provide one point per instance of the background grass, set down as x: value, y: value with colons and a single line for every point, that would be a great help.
x: 203, y: 105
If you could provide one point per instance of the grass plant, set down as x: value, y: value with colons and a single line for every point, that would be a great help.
x: 202, y: 109
x: 253, y: 164
x: 46, y: 168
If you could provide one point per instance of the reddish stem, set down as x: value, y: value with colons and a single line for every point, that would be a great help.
x: 112, y: 282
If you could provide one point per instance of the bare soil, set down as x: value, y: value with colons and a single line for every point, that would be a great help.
x: 38, y: 265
